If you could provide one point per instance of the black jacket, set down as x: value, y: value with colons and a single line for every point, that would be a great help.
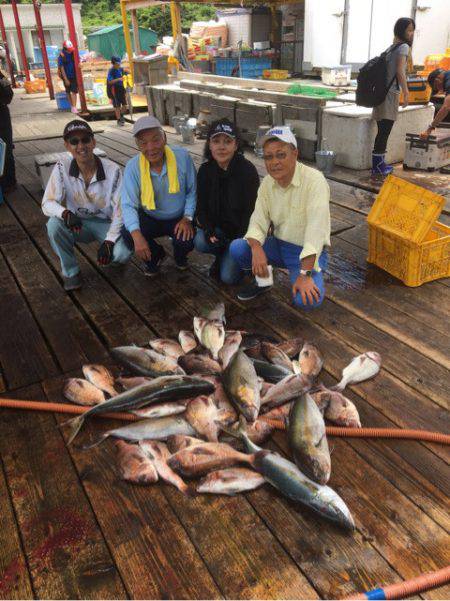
x: 226, y: 199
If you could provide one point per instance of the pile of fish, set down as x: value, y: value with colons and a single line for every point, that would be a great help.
x: 207, y: 401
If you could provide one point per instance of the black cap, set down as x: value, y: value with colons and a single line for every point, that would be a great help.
x: 77, y: 125
x: 223, y: 127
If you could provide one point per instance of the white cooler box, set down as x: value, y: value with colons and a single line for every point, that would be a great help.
x: 44, y: 163
x: 430, y: 154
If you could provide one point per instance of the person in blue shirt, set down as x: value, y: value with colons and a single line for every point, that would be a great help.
x: 115, y: 88
x: 66, y: 70
x: 158, y: 197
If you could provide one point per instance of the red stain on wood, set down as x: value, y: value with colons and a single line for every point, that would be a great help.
x: 10, y: 575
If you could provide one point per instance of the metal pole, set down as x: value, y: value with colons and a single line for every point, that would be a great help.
x: 8, y: 56
x: 20, y: 36
x: 76, y: 56
x: 48, y: 75
x: 137, y: 41
x: 126, y: 33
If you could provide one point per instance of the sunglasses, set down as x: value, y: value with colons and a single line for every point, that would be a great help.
x: 75, y: 141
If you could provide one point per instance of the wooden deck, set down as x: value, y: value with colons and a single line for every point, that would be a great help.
x: 70, y: 528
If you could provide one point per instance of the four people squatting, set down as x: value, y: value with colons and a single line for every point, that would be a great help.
x: 247, y: 226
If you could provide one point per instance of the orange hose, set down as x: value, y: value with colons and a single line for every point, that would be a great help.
x: 373, y: 432
x: 61, y: 408
x: 421, y: 583
x: 279, y: 425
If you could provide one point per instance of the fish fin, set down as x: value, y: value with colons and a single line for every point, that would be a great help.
x: 338, y: 387
x: 75, y: 425
x: 236, y: 432
x: 95, y: 443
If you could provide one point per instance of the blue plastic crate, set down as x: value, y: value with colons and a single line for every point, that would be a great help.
x: 251, y: 68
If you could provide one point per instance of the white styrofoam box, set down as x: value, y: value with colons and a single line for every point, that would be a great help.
x: 339, y: 75
x: 430, y: 154
x: 44, y: 163
x: 350, y: 131
x: 261, y: 45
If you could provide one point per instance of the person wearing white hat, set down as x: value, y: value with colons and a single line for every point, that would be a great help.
x: 294, y: 200
x: 66, y: 71
x: 158, y: 197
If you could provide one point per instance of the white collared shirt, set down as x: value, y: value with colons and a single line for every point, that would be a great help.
x: 300, y: 213
x: 66, y: 189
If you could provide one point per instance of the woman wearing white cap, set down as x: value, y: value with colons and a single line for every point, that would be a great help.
x: 294, y: 199
x: 227, y: 186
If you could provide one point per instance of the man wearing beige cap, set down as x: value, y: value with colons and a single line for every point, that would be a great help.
x: 158, y: 197
x: 294, y: 199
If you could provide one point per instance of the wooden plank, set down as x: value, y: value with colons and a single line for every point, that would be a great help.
x: 65, y: 550
x: 15, y: 582
x: 150, y: 547
x: 24, y: 356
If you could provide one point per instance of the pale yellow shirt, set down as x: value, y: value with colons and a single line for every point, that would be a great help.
x: 299, y: 213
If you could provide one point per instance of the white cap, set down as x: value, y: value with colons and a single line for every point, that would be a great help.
x: 280, y: 132
x: 146, y: 123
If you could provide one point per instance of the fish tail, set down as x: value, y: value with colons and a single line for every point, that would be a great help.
x: 75, y: 425
x: 95, y: 442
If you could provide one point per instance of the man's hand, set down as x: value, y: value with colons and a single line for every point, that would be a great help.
x: 307, y: 289
x: 424, y: 135
x: 141, y: 247
x: 184, y: 229
x: 72, y: 221
x: 259, y: 262
x: 405, y: 101
x: 105, y: 253
x: 213, y: 239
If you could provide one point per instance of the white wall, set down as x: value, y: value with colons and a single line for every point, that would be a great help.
x: 53, y: 19
x: 432, y: 28
x: 323, y: 32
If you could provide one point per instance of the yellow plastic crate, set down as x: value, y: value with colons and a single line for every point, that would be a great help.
x: 404, y: 237
x: 275, y: 74
x: 36, y: 86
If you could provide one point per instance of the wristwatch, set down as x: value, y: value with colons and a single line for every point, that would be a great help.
x: 306, y: 272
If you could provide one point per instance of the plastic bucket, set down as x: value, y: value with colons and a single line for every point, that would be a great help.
x: 62, y: 102
x: 187, y: 134
x: 325, y: 160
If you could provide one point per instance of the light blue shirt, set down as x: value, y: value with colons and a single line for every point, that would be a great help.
x: 168, y: 206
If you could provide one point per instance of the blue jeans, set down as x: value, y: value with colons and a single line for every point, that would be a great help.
x: 282, y: 254
x: 63, y: 240
x: 230, y: 272
x: 152, y: 228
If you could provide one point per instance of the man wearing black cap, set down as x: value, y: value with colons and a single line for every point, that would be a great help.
x: 82, y: 200
x: 439, y: 82
x: 116, y: 89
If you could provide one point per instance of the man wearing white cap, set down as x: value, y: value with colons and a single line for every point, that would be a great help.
x: 158, y: 197
x: 294, y: 199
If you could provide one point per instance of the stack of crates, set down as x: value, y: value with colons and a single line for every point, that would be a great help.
x: 404, y: 237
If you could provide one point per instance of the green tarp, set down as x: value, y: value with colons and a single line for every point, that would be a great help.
x: 110, y: 41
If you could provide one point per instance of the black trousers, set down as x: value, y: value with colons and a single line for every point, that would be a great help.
x: 384, y: 130
x: 6, y: 134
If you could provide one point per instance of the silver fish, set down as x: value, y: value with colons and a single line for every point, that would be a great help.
x: 162, y: 409
x: 83, y: 392
x: 308, y: 440
x: 242, y: 386
x: 100, y: 377
x: 187, y: 340
x: 145, y: 362
x: 217, y: 314
x: 199, y: 364
x: 230, y: 346
x: 147, y: 429
x: 213, y: 337
x: 270, y: 372
x: 198, y: 324
x: 363, y: 367
x: 167, y: 347
x: 293, y: 484
x: 158, y: 453
x: 289, y: 388
x: 275, y: 355
x: 134, y: 465
x: 230, y: 481
x: 165, y: 388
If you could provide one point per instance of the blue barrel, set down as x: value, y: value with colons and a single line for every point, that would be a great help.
x: 62, y: 102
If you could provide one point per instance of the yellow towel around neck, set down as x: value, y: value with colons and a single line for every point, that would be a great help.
x: 147, y: 193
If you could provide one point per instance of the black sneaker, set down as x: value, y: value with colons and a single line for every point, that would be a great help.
x: 72, y: 283
x: 181, y: 265
x: 252, y: 291
x: 152, y: 267
x: 214, y: 270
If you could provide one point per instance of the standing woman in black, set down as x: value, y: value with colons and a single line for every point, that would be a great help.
x: 227, y: 186
x: 8, y: 180
x: 386, y: 113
